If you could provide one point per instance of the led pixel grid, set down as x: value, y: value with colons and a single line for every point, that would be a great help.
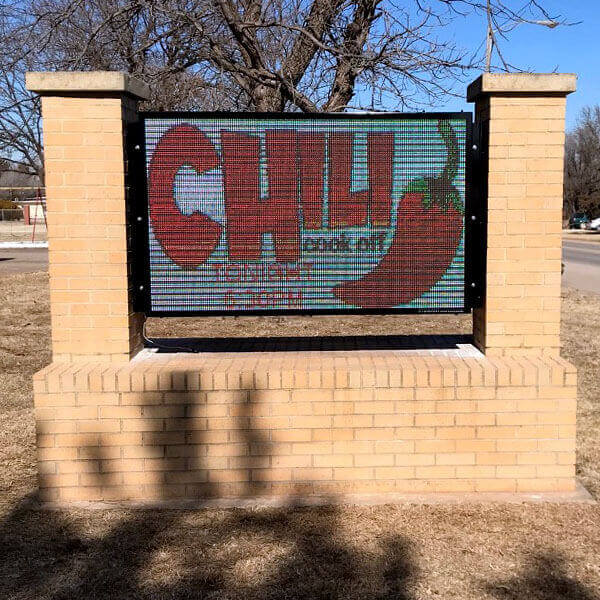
x: 256, y: 214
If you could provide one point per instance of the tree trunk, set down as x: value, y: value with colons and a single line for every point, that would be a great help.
x: 267, y: 99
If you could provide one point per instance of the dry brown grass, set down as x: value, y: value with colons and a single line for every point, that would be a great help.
x: 382, y: 553
x: 545, y: 552
x: 309, y: 326
x: 24, y: 349
x: 581, y: 345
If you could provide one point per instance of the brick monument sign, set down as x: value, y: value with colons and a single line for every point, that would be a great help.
x: 116, y: 421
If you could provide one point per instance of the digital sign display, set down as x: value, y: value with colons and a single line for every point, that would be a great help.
x: 297, y: 213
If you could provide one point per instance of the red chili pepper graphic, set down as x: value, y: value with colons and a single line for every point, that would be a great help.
x: 429, y: 228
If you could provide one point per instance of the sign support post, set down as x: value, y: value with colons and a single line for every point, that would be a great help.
x: 84, y: 121
x: 523, y: 116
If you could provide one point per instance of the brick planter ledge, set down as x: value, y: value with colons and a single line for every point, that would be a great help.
x: 239, y: 425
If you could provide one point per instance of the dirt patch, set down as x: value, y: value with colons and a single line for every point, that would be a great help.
x: 545, y: 552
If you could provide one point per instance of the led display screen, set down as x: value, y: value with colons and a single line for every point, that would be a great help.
x: 297, y: 213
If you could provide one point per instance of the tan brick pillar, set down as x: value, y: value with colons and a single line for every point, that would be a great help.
x: 84, y: 118
x: 525, y: 116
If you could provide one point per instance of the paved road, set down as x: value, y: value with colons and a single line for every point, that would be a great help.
x: 23, y: 260
x: 582, y: 265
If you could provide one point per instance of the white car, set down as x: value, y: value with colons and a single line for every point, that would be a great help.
x: 595, y: 224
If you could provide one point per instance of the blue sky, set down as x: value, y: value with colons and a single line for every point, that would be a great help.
x: 574, y: 49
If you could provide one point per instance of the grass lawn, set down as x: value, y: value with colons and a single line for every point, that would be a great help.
x: 524, y: 552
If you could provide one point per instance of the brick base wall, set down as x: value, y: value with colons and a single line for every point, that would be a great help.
x: 236, y: 425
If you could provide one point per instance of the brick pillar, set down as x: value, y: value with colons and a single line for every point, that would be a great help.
x: 84, y: 119
x: 525, y: 116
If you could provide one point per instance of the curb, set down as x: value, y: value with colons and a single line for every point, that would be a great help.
x: 577, y: 496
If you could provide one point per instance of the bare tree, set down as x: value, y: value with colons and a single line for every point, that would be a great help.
x: 502, y: 20
x: 20, y: 132
x: 582, y: 165
x: 263, y: 55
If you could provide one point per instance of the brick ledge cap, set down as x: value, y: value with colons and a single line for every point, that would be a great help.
x: 184, y: 373
x: 85, y: 82
x: 522, y: 83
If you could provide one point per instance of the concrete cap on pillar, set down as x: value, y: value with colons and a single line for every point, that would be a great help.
x: 522, y: 83
x: 55, y: 83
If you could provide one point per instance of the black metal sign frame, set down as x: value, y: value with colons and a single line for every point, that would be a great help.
x: 475, y: 228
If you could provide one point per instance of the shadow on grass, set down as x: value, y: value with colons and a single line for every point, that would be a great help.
x: 284, y: 553
x: 545, y: 578
x: 277, y: 553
